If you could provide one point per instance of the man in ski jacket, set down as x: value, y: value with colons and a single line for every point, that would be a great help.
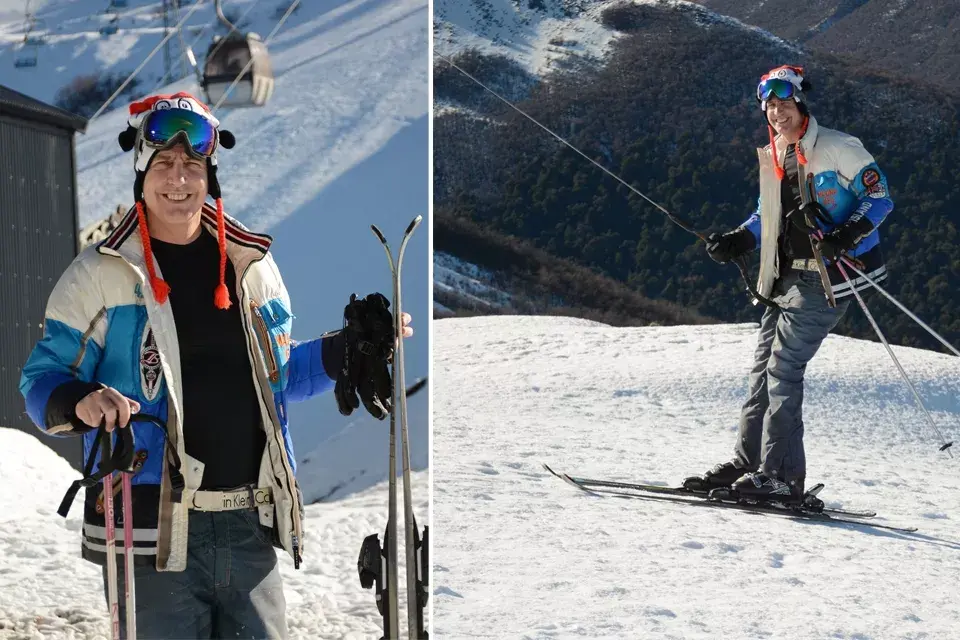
x: 181, y: 314
x: 821, y: 193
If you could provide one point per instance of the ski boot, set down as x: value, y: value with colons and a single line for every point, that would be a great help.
x: 721, y: 476
x: 759, y: 487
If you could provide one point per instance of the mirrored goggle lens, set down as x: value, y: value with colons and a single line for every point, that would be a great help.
x: 783, y: 89
x: 162, y: 126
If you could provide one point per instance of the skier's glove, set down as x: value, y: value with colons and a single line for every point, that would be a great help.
x: 844, y: 238
x: 730, y: 245
x: 368, y: 351
x: 805, y: 218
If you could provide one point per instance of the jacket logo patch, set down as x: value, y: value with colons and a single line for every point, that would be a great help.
x: 150, y: 370
x: 877, y: 191
x: 827, y: 197
x: 870, y: 177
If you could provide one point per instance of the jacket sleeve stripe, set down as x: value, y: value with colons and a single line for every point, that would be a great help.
x: 63, y: 355
x: 307, y: 375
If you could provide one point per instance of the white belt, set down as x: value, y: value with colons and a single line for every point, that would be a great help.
x: 806, y: 264
x: 234, y: 499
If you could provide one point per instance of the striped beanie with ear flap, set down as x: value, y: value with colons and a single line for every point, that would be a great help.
x: 132, y: 138
x: 795, y: 76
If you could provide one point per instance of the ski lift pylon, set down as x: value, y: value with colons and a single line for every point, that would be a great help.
x: 236, y: 55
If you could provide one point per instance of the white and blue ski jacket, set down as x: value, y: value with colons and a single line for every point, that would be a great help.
x: 845, y: 179
x: 104, y: 327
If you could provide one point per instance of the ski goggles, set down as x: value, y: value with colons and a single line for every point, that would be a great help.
x: 161, y: 128
x: 783, y: 89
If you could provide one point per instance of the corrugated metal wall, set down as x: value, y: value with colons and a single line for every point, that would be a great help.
x: 38, y: 239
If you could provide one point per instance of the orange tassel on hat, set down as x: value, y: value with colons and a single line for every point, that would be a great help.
x: 161, y: 290
x: 221, y: 296
x: 802, y: 159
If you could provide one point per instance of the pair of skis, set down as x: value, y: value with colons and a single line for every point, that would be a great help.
x: 378, y: 566
x: 811, y: 508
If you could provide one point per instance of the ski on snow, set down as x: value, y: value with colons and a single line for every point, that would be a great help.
x: 684, y: 496
x: 681, y: 491
x: 378, y: 565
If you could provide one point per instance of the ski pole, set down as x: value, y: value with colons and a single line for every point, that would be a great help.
x: 126, y: 488
x: 108, y: 519
x: 889, y: 297
x: 945, y: 445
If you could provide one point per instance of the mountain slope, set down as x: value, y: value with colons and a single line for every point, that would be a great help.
x: 656, y: 404
x: 688, y: 142
x: 917, y: 39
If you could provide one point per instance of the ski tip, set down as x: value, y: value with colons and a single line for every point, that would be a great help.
x: 413, y: 223
x: 547, y: 467
x: 378, y: 233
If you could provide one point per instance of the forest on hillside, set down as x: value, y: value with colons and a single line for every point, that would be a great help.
x: 672, y: 110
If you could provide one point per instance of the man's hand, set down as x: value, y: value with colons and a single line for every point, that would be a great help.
x: 106, y: 405
x: 405, y: 320
x: 723, y: 248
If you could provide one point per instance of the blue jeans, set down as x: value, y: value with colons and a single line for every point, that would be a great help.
x: 231, y: 587
x: 771, y: 421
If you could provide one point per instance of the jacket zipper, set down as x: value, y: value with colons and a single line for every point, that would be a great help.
x: 273, y: 370
x: 291, y: 483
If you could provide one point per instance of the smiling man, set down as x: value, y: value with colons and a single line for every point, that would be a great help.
x: 813, y: 181
x: 181, y: 314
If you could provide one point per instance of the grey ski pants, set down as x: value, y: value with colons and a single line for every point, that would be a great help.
x: 771, y: 422
x: 231, y: 587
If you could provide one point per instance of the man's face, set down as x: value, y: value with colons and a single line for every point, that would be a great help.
x: 175, y: 186
x: 784, y: 117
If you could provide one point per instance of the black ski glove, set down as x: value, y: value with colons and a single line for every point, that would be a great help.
x: 844, y: 238
x: 730, y: 245
x: 368, y: 351
x: 805, y: 218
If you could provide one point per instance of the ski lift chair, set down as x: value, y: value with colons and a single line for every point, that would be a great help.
x: 25, y: 61
x: 226, y: 58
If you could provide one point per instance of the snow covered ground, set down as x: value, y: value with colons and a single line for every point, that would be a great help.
x: 537, y: 39
x: 521, y: 554
x: 48, y: 591
x: 342, y: 144
x: 472, y: 283
x: 540, y: 35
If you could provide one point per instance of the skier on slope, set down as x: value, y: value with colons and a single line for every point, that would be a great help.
x: 182, y: 314
x: 816, y: 176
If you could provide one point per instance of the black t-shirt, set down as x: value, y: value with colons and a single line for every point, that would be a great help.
x: 793, y: 242
x: 222, y: 426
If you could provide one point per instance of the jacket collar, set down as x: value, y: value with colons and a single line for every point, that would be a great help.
x: 807, y: 142
x: 125, y: 242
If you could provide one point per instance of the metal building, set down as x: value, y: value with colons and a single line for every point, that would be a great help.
x: 38, y: 219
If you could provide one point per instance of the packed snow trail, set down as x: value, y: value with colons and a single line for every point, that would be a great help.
x: 48, y: 591
x: 521, y: 554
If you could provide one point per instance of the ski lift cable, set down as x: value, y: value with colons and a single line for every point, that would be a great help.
x: 176, y: 16
x: 232, y: 30
x: 680, y: 223
x: 246, y: 67
x: 144, y: 63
